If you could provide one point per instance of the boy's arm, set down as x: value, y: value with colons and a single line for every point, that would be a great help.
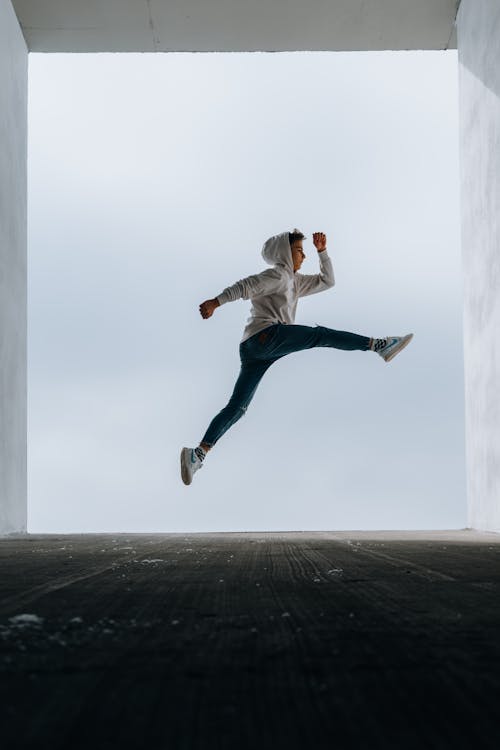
x: 251, y: 286
x: 316, y: 282
x: 255, y: 285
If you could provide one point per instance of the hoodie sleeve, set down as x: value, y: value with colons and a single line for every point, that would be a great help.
x: 316, y: 282
x: 256, y: 285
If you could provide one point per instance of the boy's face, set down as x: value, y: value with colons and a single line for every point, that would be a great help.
x: 298, y: 255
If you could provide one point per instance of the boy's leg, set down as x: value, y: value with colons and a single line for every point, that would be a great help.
x: 246, y: 384
x: 294, y: 338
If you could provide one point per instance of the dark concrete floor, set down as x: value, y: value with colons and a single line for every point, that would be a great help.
x: 263, y: 640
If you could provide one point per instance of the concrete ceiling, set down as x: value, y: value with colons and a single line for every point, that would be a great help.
x: 236, y: 25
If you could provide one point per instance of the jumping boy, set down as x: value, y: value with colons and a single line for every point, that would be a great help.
x: 270, y: 332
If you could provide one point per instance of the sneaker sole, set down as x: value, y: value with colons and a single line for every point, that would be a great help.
x: 185, y: 473
x: 404, y: 342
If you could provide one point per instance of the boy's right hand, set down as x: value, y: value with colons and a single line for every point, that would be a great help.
x: 207, y: 308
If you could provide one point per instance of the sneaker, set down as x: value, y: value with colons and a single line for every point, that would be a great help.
x: 190, y: 463
x: 393, y: 346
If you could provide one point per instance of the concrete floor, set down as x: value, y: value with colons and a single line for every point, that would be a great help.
x: 262, y: 640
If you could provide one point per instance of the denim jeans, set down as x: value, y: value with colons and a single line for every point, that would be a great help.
x: 258, y: 353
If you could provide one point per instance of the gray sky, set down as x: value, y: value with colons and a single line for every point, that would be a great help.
x: 154, y: 181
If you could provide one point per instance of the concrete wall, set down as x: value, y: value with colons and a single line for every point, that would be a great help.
x: 235, y: 25
x: 478, y: 27
x: 13, y: 152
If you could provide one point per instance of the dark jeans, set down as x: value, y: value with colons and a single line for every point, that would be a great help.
x: 259, y: 352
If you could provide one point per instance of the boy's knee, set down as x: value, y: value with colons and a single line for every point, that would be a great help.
x: 236, y: 409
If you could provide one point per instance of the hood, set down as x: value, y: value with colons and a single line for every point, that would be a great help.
x: 277, y: 251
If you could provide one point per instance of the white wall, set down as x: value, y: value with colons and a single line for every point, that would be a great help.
x: 479, y: 76
x: 13, y: 144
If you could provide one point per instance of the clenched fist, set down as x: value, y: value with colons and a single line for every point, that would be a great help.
x: 319, y: 241
x: 207, y: 308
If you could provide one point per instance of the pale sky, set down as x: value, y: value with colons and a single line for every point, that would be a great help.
x: 154, y: 181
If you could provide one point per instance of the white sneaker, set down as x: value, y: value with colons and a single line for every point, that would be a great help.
x: 190, y: 463
x: 393, y: 346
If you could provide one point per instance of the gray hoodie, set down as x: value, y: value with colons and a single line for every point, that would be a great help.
x: 275, y: 291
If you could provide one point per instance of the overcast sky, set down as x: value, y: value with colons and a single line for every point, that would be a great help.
x: 154, y: 181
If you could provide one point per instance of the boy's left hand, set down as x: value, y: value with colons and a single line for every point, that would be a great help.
x: 319, y: 241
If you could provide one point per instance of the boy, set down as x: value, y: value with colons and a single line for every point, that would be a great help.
x: 270, y: 332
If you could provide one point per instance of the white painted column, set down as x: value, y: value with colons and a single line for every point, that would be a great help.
x: 13, y: 153
x: 478, y: 33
